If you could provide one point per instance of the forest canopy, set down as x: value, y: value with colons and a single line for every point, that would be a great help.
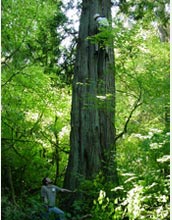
x: 41, y: 50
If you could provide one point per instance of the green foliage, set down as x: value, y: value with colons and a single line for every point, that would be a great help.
x: 104, y: 37
x: 144, y: 189
x: 146, y: 10
x: 142, y: 76
x: 35, y: 112
x: 31, y: 209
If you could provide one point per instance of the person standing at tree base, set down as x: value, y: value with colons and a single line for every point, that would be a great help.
x: 48, y: 194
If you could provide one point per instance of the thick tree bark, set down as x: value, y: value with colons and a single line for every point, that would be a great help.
x: 93, y: 103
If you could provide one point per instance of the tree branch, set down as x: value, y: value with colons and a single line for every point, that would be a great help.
x: 86, y: 216
x: 136, y: 105
x: 12, y: 76
x: 53, y: 143
x: 13, y: 53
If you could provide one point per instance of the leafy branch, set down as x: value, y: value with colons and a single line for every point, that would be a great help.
x: 13, y: 53
x: 12, y: 76
x: 135, y: 106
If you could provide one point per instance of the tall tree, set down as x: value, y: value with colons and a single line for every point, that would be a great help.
x: 93, y: 103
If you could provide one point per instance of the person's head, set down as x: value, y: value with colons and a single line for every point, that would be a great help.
x: 46, y: 181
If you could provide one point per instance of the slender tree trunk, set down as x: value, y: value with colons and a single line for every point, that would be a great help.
x: 93, y: 104
x: 167, y: 118
x: 56, y: 150
x: 11, y: 185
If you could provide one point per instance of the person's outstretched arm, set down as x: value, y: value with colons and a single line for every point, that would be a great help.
x: 66, y: 190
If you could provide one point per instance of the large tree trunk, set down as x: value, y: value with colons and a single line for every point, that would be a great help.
x: 93, y: 104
